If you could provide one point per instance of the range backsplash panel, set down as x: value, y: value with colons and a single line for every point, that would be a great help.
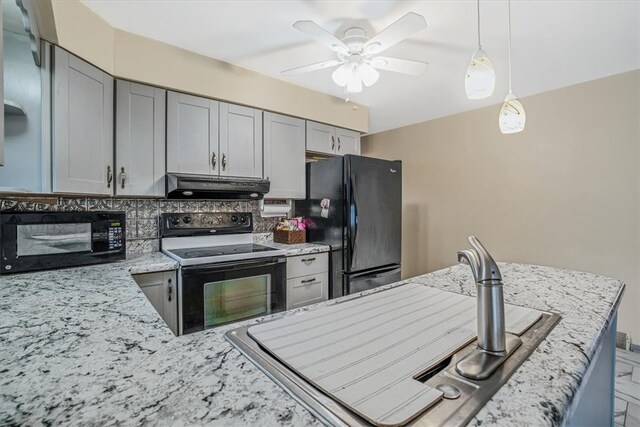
x: 142, y: 214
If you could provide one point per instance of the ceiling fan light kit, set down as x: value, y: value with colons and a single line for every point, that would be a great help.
x: 358, y: 65
x: 512, y: 117
x: 480, y: 78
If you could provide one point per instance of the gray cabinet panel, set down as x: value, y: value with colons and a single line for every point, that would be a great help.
x: 240, y: 141
x: 192, y: 134
x: 1, y: 95
x: 82, y: 127
x: 284, y: 158
x: 140, y: 139
x: 347, y: 142
x: 160, y: 289
x: 321, y: 138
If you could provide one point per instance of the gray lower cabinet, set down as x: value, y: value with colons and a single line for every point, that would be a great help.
x: 192, y: 134
x: 161, y: 290
x: 240, y: 141
x: 327, y: 139
x: 307, y: 279
x: 284, y: 158
x: 140, y: 139
x: 82, y: 127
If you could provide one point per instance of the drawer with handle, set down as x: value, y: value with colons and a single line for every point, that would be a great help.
x: 304, y: 265
x: 307, y: 290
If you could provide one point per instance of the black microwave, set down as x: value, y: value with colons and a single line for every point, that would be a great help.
x: 32, y: 241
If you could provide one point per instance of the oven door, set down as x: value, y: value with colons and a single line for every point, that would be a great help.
x: 217, y: 294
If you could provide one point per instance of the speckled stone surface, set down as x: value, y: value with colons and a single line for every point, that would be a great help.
x: 84, y: 347
x: 292, y: 250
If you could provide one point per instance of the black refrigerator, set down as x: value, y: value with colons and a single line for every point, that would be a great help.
x: 354, y: 205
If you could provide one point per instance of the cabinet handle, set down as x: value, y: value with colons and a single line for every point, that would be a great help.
x: 170, y: 290
x: 308, y: 281
x: 123, y: 177
x: 109, y: 176
x: 338, y: 143
x: 333, y: 142
x: 224, y: 162
x: 308, y: 259
x: 213, y: 161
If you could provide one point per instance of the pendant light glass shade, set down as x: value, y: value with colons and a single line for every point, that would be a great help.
x: 512, y: 117
x: 480, y: 79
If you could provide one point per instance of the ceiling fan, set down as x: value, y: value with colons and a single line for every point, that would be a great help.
x: 357, y: 54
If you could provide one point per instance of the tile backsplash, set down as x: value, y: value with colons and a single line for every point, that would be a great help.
x: 142, y: 214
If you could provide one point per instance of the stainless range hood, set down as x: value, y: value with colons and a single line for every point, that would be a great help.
x: 183, y: 186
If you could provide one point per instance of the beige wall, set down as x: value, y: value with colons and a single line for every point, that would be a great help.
x: 129, y: 56
x: 565, y: 192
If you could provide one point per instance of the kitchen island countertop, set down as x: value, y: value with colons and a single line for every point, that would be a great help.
x: 84, y: 346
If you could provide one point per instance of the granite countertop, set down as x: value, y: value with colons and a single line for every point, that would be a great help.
x: 84, y: 346
x: 300, y: 248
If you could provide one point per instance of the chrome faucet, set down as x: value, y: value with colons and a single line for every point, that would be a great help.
x: 494, y: 344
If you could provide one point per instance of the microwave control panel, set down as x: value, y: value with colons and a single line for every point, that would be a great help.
x: 115, y: 235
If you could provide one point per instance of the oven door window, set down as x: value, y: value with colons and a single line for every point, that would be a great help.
x: 48, y: 239
x: 235, y: 299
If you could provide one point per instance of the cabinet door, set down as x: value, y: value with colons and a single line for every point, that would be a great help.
x: 192, y: 134
x: 347, y: 142
x: 160, y: 289
x: 1, y: 94
x: 321, y: 138
x: 284, y: 160
x: 83, y: 127
x: 240, y: 141
x: 140, y: 139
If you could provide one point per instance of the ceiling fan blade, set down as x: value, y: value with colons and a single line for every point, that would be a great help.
x: 397, y: 65
x: 318, y: 33
x: 311, y: 67
x: 403, y: 28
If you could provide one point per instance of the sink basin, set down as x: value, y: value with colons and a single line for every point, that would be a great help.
x: 458, y: 398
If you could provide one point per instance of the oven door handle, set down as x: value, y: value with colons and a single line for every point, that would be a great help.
x: 232, y: 265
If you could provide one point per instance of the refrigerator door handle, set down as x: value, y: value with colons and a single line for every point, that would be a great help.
x: 353, y: 206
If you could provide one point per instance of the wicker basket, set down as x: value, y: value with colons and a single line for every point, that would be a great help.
x: 289, y: 237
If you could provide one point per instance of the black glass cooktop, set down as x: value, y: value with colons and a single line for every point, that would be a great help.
x: 220, y: 250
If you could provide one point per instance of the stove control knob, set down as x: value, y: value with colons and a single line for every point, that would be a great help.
x: 174, y: 220
x: 234, y: 218
x: 243, y: 219
x: 186, y: 219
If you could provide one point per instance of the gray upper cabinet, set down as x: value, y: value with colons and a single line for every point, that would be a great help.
x: 347, y: 142
x: 327, y: 139
x: 321, y: 138
x: 140, y: 139
x: 82, y: 127
x: 240, y: 141
x: 192, y: 134
x: 284, y: 158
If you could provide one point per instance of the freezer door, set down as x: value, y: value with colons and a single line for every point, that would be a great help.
x: 374, y: 213
x: 354, y: 283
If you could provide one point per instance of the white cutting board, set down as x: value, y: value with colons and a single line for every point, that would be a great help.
x: 365, y: 352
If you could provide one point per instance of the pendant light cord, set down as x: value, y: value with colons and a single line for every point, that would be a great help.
x: 479, y: 44
x: 509, y: 46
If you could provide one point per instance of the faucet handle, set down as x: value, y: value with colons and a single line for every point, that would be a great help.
x: 487, y: 268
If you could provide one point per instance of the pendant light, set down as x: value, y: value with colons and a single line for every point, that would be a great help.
x: 480, y: 78
x: 512, y: 116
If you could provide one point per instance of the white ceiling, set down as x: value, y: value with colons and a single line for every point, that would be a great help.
x: 555, y: 43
